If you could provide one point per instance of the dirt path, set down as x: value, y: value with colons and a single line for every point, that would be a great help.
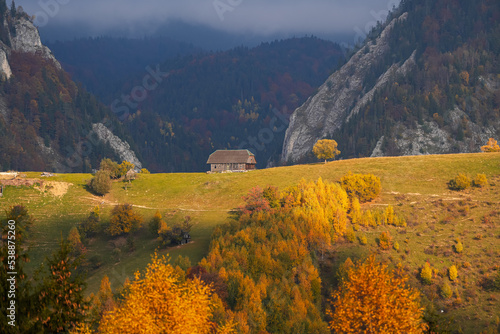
x: 103, y: 201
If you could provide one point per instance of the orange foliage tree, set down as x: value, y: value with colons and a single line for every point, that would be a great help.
x: 162, y: 301
x: 491, y: 146
x: 375, y: 300
x: 124, y: 220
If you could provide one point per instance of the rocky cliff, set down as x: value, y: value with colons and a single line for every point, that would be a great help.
x: 21, y: 36
x: 341, y: 96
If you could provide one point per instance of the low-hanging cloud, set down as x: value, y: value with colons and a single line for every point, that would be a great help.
x: 259, y: 17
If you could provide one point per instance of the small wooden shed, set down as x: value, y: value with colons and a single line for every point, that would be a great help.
x: 232, y: 160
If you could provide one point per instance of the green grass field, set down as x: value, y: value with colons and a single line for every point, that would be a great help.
x: 416, y: 186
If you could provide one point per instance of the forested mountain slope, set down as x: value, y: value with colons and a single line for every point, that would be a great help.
x: 46, y: 120
x: 239, y: 98
x: 425, y: 82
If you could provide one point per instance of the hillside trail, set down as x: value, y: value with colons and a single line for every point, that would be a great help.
x: 103, y: 201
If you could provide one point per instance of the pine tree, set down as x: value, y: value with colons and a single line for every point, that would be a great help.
x: 13, y: 9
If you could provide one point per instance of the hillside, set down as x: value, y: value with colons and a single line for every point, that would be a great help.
x: 47, y: 121
x: 425, y: 82
x: 415, y: 186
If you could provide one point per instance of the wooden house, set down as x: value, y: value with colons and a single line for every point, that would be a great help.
x: 232, y: 160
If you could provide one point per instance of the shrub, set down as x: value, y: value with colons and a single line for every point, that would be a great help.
x: 365, y: 187
x: 145, y: 171
x: 90, y: 226
x: 446, y: 291
x: 109, y: 166
x: 453, y: 273
x: 101, y: 183
x: 363, y: 240
x: 480, y: 181
x: 460, y: 182
x: 458, y: 247
x: 426, y: 273
x: 396, y: 246
x: 385, y: 241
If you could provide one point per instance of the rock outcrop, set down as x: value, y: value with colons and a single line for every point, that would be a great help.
x: 27, y: 39
x: 121, y: 148
x: 339, y: 97
x: 5, y: 71
x: 22, y: 36
x: 429, y: 138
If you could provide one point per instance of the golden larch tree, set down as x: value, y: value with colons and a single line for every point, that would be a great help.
x: 326, y: 149
x: 375, y: 300
x: 162, y: 301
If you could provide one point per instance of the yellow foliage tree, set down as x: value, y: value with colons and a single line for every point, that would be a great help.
x: 326, y: 149
x: 124, y: 220
x: 162, y: 301
x: 375, y: 300
x: 124, y: 167
x: 491, y: 146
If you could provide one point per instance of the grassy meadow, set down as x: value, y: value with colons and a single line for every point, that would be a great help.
x: 416, y: 186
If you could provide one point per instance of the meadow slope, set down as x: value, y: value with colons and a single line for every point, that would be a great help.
x: 415, y: 185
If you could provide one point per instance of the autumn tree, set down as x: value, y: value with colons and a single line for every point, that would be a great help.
x: 326, y: 149
x: 161, y: 300
x: 124, y: 220
x: 124, y: 167
x: 491, y: 146
x: 75, y: 242
x: 374, y: 299
x: 102, y: 303
x: 255, y: 201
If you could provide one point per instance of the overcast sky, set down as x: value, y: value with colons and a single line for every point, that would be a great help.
x: 257, y: 17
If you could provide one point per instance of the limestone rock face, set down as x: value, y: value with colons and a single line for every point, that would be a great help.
x: 27, y: 39
x: 339, y: 97
x: 5, y: 70
x: 23, y: 38
x: 121, y: 148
